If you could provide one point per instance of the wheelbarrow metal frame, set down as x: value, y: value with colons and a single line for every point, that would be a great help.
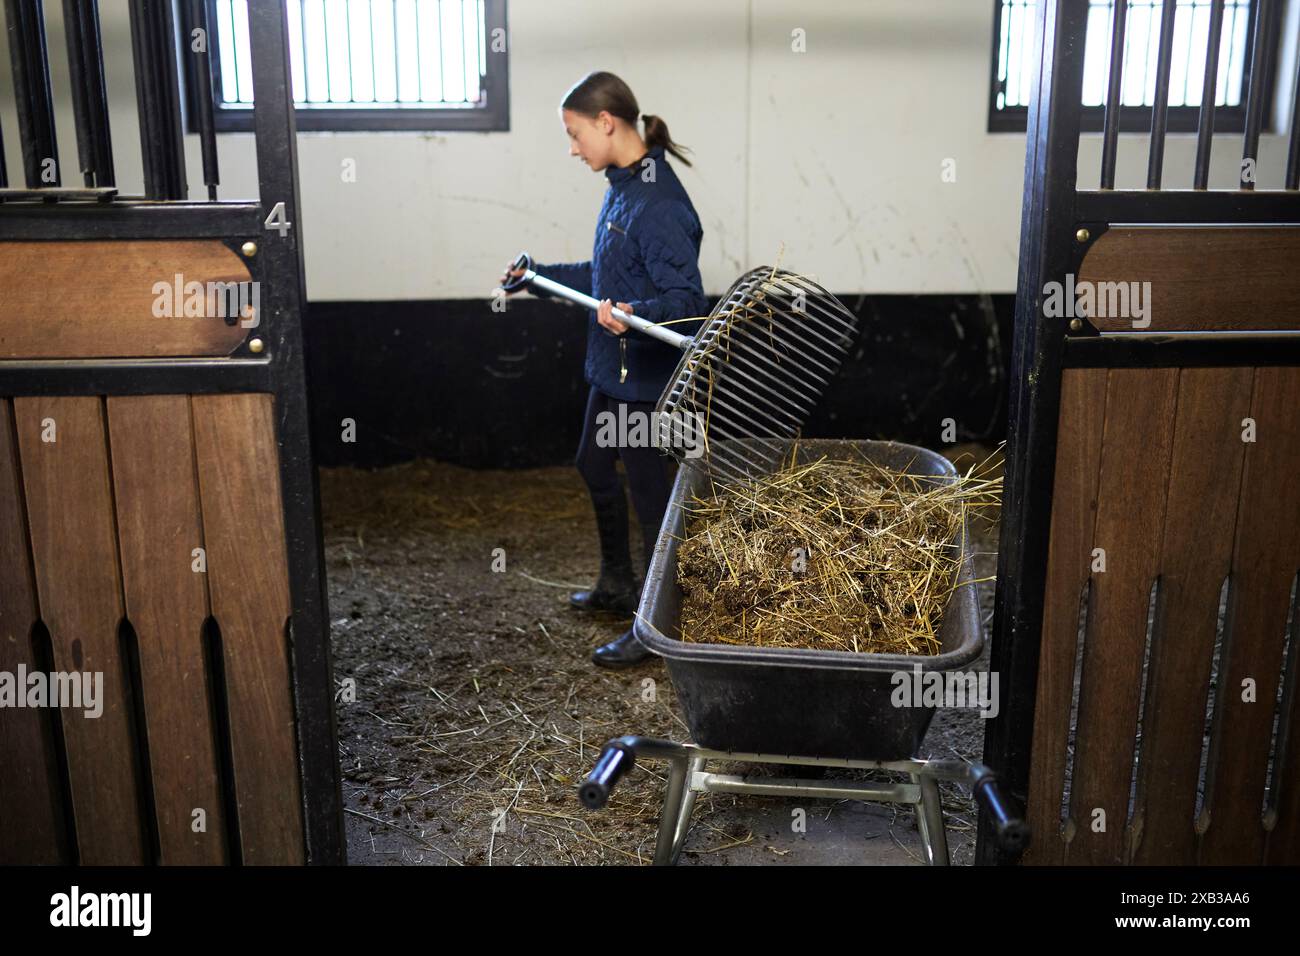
x: 687, y: 779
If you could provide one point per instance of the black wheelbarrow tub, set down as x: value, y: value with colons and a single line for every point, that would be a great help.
x: 792, y: 701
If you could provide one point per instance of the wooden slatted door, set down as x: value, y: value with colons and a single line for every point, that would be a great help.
x: 1163, y: 733
x: 1145, y: 630
x: 159, y: 515
x: 31, y: 819
x: 157, y: 551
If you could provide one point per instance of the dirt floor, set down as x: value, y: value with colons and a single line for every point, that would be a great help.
x: 477, y: 710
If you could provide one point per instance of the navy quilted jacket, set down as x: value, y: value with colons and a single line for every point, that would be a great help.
x: 646, y: 254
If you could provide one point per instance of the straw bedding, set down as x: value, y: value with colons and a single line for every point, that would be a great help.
x: 827, y: 554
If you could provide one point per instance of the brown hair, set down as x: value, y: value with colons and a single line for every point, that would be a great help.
x: 600, y: 91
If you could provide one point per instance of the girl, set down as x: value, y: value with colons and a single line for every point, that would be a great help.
x: 644, y: 261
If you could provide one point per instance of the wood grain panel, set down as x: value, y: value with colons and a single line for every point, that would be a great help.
x: 30, y: 818
x: 1195, y: 555
x: 1203, y: 278
x: 243, y: 523
x: 1140, y: 409
x: 1074, y: 502
x: 1282, y: 845
x: 70, y: 513
x: 105, y: 306
x: 167, y: 603
x: 1266, y: 553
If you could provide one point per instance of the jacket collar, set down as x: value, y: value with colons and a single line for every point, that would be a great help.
x: 623, y: 174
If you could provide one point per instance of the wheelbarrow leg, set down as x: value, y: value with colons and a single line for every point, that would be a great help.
x: 667, y: 845
x: 687, y: 807
x: 929, y: 820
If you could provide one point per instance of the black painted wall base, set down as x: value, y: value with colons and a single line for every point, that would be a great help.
x: 454, y: 381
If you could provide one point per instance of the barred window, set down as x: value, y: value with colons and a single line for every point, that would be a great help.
x: 1013, y: 61
x: 371, y: 64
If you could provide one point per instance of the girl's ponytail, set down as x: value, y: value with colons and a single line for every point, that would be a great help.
x: 605, y: 91
x: 656, y: 134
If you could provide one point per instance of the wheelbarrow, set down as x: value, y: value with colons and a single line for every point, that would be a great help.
x: 801, y: 707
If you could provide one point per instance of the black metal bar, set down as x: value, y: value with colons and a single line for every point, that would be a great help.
x: 89, y: 99
x: 4, y: 172
x: 1114, y: 99
x: 1134, y: 119
x: 214, y: 63
x: 1209, y: 92
x: 1186, y: 205
x: 1160, y: 107
x: 31, y: 68
x: 284, y: 297
x: 202, y: 74
x: 343, y: 118
x: 1255, y: 101
x: 235, y: 222
x: 496, y: 81
x: 1179, y: 351
x: 60, y: 194
x: 97, y: 95
x: 1293, y: 150
x: 1047, y: 238
x: 158, y: 99
x: 134, y: 376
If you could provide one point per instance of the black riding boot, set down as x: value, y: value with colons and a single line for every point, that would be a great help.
x: 615, y: 589
x: 624, y: 651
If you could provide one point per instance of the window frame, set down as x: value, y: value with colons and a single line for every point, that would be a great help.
x: 1137, y: 119
x: 493, y: 117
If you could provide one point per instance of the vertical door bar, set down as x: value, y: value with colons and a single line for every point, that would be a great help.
x: 1110, y: 133
x: 1160, y: 108
x: 89, y: 96
x: 1047, y: 239
x: 76, y: 73
x: 31, y: 67
x: 158, y: 99
x: 283, y: 296
x: 1255, y: 100
x: 1293, y: 151
x: 198, y: 18
x: 1209, y: 90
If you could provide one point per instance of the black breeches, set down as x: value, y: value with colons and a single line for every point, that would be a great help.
x: 648, y: 469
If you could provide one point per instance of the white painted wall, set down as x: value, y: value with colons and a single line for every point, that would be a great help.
x: 830, y: 158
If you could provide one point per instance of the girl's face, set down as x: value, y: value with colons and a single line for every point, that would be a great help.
x: 591, y: 138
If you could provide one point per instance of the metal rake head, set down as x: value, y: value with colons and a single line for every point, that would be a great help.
x: 763, y: 358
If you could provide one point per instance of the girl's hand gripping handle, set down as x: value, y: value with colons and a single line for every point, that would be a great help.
x: 517, y: 274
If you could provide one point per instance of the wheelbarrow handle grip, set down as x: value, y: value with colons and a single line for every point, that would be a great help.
x: 615, y: 760
x: 1012, y: 832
